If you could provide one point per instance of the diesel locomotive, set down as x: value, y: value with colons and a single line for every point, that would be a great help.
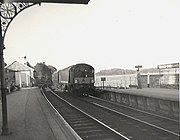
x: 76, y: 79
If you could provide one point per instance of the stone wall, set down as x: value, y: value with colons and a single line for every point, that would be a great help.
x: 157, y: 106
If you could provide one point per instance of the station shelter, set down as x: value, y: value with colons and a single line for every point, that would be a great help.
x: 23, y: 74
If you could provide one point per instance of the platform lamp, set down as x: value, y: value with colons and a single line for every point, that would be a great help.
x: 139, y: 76
x: 3, y: 87
x: 10, y: 12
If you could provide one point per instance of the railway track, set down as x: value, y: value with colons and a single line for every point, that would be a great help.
x: 131, y: 123
x: 86, y: 126
x: 160, y: 122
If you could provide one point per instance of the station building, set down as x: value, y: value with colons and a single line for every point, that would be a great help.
x: 165, y: 78
x: 23, y: 74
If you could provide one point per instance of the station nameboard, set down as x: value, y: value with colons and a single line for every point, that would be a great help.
x: 167, y: 66
x: 49, y: 1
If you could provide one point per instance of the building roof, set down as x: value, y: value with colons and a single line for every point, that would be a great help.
x: 17, y: 66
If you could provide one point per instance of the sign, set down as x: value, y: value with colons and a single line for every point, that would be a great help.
x: 167, y: 66
x: 49, y: 1
x: 139, y: 66
x: 103, y: 78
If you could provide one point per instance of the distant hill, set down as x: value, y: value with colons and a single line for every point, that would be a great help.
x: 118, y: 71
x: 150, y: 70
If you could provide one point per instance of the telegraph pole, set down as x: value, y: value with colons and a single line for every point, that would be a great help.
x: 3, y: 87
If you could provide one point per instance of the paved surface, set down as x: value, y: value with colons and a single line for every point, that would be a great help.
x: 162, y: 93
x: 31, y: 118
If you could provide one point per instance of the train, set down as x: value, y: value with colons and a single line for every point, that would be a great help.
x: 77, y: 79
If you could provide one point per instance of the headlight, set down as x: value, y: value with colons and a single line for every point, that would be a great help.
x: 76, y: 81
x: 92, y: 81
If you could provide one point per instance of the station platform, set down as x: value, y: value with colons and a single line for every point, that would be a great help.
x: 160, y: 93
x: 31, y: 118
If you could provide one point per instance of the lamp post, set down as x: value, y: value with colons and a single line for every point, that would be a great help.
x: 103, y: 79
x: 3, y: 88
x: 124, y: 80
x: 139, y: 76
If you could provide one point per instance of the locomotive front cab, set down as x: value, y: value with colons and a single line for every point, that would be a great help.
x: 83, y: 79
x: 84, y: 74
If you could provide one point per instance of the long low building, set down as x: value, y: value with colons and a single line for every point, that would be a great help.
x: 163, y: 79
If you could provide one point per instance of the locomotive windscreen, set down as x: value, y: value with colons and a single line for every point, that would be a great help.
x: 84, y: 71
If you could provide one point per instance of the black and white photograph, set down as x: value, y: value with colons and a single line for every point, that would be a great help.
x: 89, y: 70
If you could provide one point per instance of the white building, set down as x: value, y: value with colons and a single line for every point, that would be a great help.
x: 23, y: 74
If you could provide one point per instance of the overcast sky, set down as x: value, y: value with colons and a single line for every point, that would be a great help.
x: 105, y: 33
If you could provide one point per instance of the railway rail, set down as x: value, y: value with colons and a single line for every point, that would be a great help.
x: 86, y: 126
x: 134, y: 124
x: 127, y: 122
x: 160, y: 122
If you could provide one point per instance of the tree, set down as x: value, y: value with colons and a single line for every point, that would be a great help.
x: 42, y: 74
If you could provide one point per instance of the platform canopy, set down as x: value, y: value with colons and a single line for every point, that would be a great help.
x: 49, y: 1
